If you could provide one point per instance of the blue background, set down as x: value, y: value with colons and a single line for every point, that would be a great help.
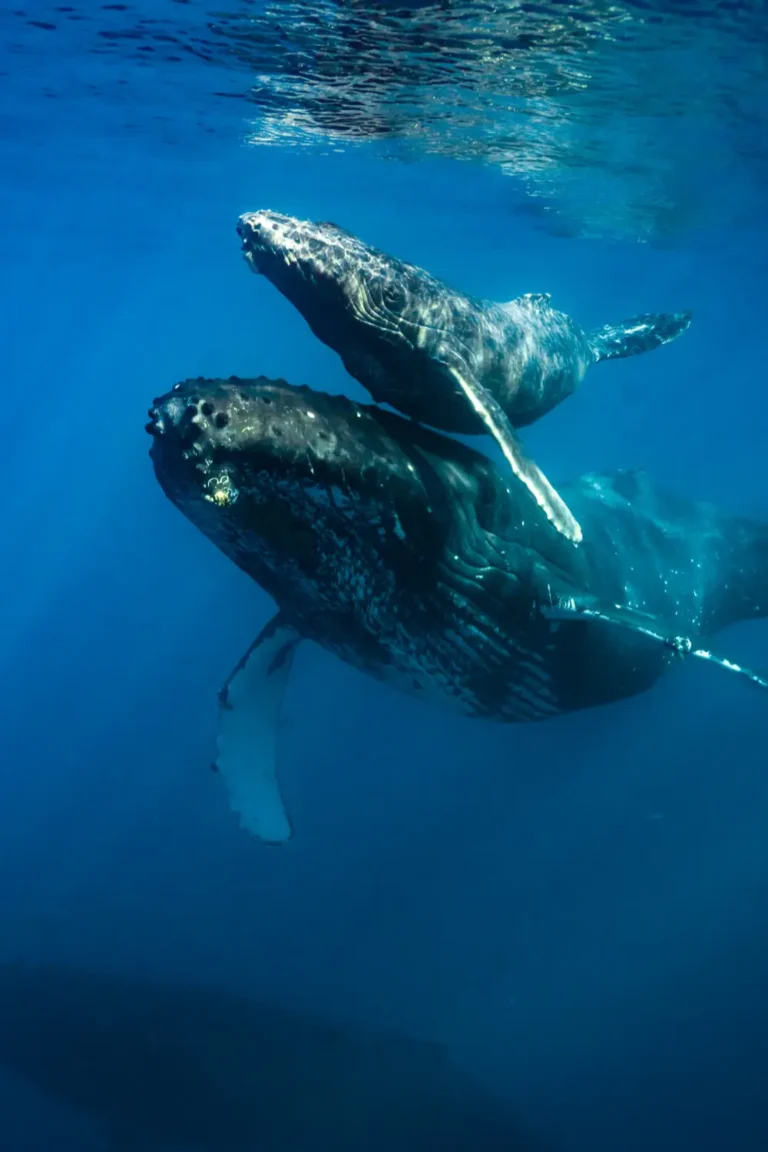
x: 577, y: 909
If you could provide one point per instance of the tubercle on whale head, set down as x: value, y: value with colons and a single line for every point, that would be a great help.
x: 216, y: 438
x: 266, y: 228
x: 293, y: 253
x: 202, y: 416
x: 294, y: 482
x: 263, y: 234
x: 269, y: 235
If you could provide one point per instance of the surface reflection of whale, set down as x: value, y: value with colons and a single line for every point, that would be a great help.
x: 404, y: 553
x: 165, y: 1065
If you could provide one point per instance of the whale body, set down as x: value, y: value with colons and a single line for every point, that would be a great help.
x: 453, y: 361
x: 404, y: 553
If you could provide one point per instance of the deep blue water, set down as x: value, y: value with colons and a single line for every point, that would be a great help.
x: 576, y: 910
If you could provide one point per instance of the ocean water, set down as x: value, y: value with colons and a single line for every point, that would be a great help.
x: 574, y: 912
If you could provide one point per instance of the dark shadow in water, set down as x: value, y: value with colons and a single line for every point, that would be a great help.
x: 164, y: 1065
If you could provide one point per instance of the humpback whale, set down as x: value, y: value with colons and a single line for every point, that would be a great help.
x: 444, y: 358
x: 404, y: 552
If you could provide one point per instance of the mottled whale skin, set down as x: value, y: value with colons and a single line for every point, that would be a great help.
x: 404, y: 553
x: 443, y: 358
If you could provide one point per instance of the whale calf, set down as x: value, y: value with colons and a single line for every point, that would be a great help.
x: 404, y: 552
x: 444, y: 358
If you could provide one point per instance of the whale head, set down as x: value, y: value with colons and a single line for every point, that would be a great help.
x: 303, y: 490
x: 368, y: 306
x: 314, y: 264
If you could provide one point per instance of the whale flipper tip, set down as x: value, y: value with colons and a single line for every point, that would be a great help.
x: 640, y: 334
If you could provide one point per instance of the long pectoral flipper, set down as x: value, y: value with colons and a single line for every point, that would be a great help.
x: 640, y: 334
x: 249, y: 713
x: 491, y: 413
x: 642, y: 624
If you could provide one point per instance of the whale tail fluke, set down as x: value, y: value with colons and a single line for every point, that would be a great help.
x: 640, y: 334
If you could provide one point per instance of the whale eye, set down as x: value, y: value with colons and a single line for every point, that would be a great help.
x: 393, y: 295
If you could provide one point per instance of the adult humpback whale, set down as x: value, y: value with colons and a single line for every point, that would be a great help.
x: 404, y: 552
x: 444, y: 358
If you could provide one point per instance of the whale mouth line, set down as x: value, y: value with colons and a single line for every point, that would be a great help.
x: 155, y: 426
x: 250, y: 257
x: 255, y: 238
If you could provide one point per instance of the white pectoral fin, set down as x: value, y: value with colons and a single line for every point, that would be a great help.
x: 650, y: 628
x: 249, y: 715
x: 551, y: 503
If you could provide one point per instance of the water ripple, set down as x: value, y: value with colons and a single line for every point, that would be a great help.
x: 612, y: 115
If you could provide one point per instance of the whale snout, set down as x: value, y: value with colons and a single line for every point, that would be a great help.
x: 249, y: 227
x: 261, y: 231
x: 186, y: 418
x: 176, y: 417
x: 155, y: 425
x: 250, y: 223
